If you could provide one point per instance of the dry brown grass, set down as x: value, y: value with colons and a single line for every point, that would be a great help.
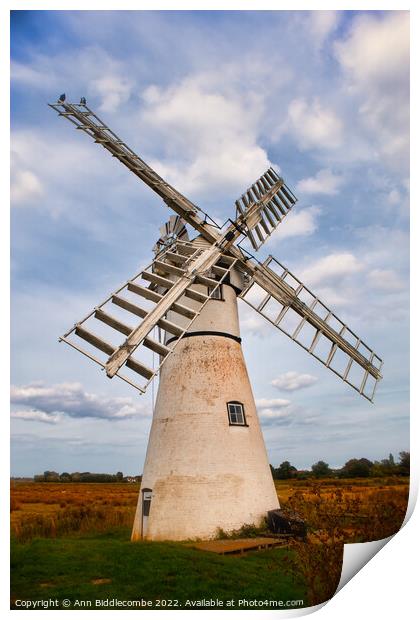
x: 361, y: 510
x: 52, y: 509
x: 346, y: 510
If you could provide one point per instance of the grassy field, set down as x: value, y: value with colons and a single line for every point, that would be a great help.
x: 107, y: 566
x: 71, y: 541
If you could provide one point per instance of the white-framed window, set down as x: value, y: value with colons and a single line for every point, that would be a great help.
x: 236, y: 414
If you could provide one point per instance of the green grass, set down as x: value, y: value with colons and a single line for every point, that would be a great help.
x: 64, y: 568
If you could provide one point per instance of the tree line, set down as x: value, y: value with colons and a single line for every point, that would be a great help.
x: 85, y: 476
x: 354, y: 468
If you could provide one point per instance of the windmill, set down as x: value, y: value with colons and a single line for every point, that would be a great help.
x: 206, y: 464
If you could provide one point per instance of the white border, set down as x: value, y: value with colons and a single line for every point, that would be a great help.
x: 385, y: 587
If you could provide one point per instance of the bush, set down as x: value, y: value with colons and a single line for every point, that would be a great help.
x: 248, y: 530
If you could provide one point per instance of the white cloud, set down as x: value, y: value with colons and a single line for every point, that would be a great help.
x: 330, y: 268
x: 40, y: 179
x: 269, y: 415
x: 274, y: 410
x: 210, y: 135
x: 385, y: 280
x: 315, y: 126
x: 251, y: 321
x: 33, y: 76
x: 292, y: 380
x: 114, y: 90
x: 394, y: 197
x: 322, y: 24
x: 377, y: 49
x: 298, y: 223
x: 48, y: 73
x: 375, y: 61
x: 345, y: 280
x: 337, y: 296
x: 35, y: 158
x: 324, y: 182
x: 25, y: 186
x: 36, y: 416
x: 71, y: 400
x: 271, y: 403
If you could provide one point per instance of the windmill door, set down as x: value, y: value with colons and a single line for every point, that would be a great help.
x: 146, y: 501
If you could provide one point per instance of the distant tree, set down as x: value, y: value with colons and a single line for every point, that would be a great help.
x: 285, y: 471
x: 51, y: 476
x: 404, y: 464
x: 321, y: 469
x: 303, y: 474
x: 376, y: 471
x: 85, y: 476
x: 388, y: 466
x: 356, y: 468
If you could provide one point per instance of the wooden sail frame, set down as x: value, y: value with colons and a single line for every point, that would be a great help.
x: 164, y: 296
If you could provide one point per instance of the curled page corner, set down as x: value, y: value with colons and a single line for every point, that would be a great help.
x: 356, y: 555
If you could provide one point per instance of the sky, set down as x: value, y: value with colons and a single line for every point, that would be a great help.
x: 210, y: 100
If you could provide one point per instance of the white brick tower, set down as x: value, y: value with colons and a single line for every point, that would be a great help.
x: 206, y: 464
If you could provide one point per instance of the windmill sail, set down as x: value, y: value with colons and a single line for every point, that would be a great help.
x: 84, y: 119
x: 276, y: 294
x: 178, y: 283
x: 173, y: 229
x: 263, y: 206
